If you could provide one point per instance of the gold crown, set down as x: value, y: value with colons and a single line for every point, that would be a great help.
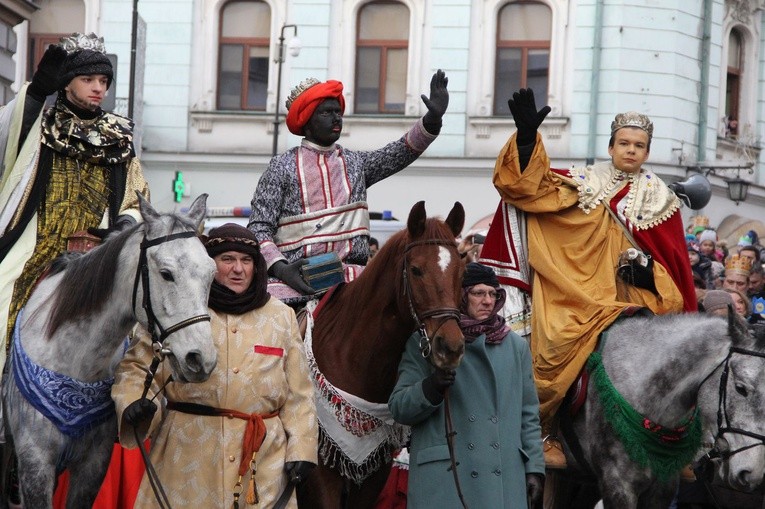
x: 700, y: 221
x: 78, y: 41
x: 740, y: 264
x: 299, y: 89
x: 632, y: 119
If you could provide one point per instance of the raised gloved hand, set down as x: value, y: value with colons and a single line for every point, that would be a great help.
x: 123, y: 221
x: 436, y: 384
x: 298, y: 471
x: 527, y: 118
x: 45, y: 80
x: 535, y: 488
x: 636, y: 269
x: 436, y: 103
x: 290, y: 274
x: 139, y: 413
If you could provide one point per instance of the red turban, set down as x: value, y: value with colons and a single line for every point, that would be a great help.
x: 306, y: 103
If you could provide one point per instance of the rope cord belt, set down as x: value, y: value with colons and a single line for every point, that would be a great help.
x: 664, y: 450
x: 254, y: 435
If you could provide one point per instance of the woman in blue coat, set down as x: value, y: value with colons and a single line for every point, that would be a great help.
x: 494, y: 409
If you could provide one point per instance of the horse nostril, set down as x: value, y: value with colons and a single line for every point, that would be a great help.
x: 743, y: 478
x: 194, y: 361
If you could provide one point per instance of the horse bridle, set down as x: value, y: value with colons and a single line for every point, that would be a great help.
x: 445, y: 314
x: 723, y: 421
x: 158, y: 335
x: 426, y: 348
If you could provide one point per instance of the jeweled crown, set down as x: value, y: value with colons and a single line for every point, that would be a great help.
x: 299, y: 89
x: 739, y: 264
x: 78, y: 41
x: 632, y: 119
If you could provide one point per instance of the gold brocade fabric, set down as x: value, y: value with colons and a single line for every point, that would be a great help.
x: 76, y: 198
x: 575, y: 293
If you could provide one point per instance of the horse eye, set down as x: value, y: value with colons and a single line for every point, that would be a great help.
x: 166, y: 275
x: 417, y: 271
x: 742, y: 390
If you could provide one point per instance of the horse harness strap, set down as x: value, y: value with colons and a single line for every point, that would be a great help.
x: 723, y: 421
x: 445, y: 313
x: 142, y: 273
x: 254, y: 435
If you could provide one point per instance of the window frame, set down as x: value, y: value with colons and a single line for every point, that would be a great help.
x: 524, y: 45
x: 247, y: 43
x: 384, y: 45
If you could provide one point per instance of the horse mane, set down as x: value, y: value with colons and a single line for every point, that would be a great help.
x: 87, y: 280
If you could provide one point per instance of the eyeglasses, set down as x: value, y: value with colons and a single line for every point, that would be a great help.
x: 483, y: 293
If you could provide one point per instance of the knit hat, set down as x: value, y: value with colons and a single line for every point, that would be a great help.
x: 86, y: 55
x: 716, y: 299
x: 708, y: 235
x: 231, y: 237
x: 476, y: 274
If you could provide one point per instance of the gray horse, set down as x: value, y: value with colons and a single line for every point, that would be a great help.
x: 72, y: 332
x: 665, y: 367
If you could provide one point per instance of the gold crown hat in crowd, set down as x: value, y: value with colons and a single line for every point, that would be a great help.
x: 632, y: 119
x: 701, y: 221
x: 78, y: 41
x: 738, y: 264
x: 299, y: 89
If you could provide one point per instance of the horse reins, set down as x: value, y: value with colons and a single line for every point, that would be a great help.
x: 158, y: 335
x: 426, y: 349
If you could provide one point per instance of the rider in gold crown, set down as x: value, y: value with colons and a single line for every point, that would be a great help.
x: 603, y: 240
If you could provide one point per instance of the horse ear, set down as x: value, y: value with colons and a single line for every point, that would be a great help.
x: 198, y: 209
x: 147, y: 211
x: 416, y: 222
x: 456, y: 218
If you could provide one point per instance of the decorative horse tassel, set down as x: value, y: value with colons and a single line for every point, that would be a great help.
x: 252, y: 490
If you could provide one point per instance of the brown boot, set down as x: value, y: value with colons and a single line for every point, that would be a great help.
x: 553, y: 451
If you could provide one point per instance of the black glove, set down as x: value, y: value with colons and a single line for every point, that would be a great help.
x: 527, y: 118
x: 45, y: 80
x: 290, y: 274
x: 436, y: 384
x: 298, y: 471
x: 123, y: 222
x: 436, y: 103
x: 535, y: 489
x: 636, y: 269
x: 139, y: 413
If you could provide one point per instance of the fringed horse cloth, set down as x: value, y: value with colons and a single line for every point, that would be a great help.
x: 356, y: 436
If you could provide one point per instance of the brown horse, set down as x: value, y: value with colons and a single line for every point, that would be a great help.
x: 357, y: 341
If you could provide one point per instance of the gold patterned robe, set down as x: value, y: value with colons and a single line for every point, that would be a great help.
x: 261, y: 369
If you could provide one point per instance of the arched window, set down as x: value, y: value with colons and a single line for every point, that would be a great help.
x: 733, y: 82
x: 245, y: 29
x: 523, y: 52
x: 382, y: 56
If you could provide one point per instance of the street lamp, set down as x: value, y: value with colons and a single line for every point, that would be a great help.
x: 294, y: 48
x: 738, y: 189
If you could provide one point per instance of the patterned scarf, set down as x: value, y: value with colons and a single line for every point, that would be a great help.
x: 494, y: 326
x: 106, y: 139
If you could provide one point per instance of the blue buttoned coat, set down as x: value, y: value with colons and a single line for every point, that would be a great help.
x: 495, y: 412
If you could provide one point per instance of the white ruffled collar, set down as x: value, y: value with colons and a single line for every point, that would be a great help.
x: 649, y: 201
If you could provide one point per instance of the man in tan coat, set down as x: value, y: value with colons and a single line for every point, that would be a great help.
x: 261, y: 384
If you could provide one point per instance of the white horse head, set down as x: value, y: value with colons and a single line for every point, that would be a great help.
x: 180, y: 273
